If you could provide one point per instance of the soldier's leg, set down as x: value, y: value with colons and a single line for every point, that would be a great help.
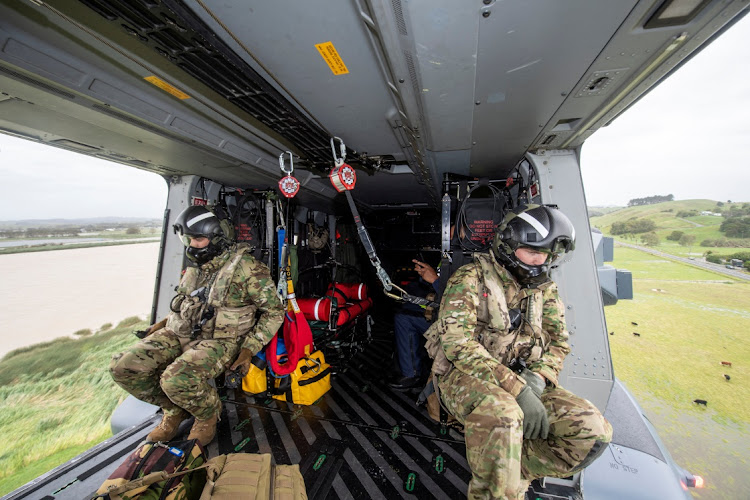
x: 138, y: 369
x: 186, y: 380
x: 578, y: 433
x: 493, y: 431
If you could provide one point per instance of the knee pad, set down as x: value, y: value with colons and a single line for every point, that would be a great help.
x: 594, y: 453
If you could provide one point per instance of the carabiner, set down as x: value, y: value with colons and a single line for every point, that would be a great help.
x: 282, y: 163
x: 336, y: 160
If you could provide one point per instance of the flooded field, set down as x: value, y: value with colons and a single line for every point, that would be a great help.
x: 52, y: 294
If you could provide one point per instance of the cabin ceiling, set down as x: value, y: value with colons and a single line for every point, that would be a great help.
x: 414, y: 88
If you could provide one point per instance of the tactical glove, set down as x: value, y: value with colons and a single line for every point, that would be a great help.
x: 243, y: 362
x: 536, y: 382
x: 535, y: 423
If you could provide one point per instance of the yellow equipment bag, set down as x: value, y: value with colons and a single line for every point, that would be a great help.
x: 255, y: 380
x: 307, y: 383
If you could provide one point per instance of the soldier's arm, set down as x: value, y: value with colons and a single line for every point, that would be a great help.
x: 458, y: 312
x: 553, y: 322
x: 261, y: 289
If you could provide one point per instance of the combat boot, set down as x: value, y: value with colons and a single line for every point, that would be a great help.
x: 204, y: 430
x: 167, y: 428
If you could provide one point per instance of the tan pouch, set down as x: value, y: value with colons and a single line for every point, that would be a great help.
x: 233, y: 322
x: 179, y: 326
x: 440, y: 364
x: 252, y: 477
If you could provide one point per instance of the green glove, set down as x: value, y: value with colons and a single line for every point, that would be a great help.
x: 535, y: 423
x: 534, y: 381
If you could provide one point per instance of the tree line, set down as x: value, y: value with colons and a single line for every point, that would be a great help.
x: 63, y: 231
x: 650, y: 200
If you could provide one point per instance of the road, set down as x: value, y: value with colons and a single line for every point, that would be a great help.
x: 718, y: 268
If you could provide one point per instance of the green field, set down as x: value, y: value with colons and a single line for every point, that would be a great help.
x: 690, y: 321
x: 55, y: 401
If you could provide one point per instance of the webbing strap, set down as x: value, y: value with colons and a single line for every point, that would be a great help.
x: 367, y: 243
x: 375, y: 261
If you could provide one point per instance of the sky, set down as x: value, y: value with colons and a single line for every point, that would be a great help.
x: 687, y: 137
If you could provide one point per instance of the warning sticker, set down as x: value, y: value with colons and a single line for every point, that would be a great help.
x: 167, y: 87
x: 332, y: 58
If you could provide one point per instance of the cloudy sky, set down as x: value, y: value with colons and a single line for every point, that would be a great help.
x: 687, y: 137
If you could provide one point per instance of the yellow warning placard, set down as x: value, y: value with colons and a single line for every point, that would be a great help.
x: 332, y: 58
x: 155, y: 80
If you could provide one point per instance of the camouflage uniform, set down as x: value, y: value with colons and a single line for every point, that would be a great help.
x: 172, y: 368
x: 480, y: 390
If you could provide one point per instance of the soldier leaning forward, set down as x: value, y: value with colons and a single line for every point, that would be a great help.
x: 499, y: 345
x: 212, y: 326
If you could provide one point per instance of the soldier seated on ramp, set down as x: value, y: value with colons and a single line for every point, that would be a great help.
x: 499, y: 345
x: 212, y: 327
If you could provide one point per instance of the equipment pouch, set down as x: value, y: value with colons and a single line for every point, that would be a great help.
x: 179, y: 326
x: 234, y: 322
x: 440, y: 365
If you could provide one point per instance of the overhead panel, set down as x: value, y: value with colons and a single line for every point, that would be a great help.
x: 444, y: 57
x: 530, y: 56
x: 320, y: 55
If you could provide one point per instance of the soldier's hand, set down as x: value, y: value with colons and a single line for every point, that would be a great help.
x: 535, y: 422
x: 425, y: 271
x: 243, y: 362
x: 534, y: 380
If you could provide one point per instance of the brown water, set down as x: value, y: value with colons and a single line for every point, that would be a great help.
x: 45, y: 295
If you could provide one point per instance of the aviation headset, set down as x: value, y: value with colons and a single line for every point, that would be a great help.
x: 539, y: 227
x: 199, y: 221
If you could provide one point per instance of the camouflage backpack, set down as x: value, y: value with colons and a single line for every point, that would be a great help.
x: 143, y: 475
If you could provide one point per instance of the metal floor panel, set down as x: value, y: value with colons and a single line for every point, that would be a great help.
x: 347, y: 444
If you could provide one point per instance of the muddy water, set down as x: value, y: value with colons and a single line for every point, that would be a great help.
x: 45, y: 295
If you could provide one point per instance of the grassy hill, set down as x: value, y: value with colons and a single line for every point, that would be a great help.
x: 664, y: 215
x: 55, y: 401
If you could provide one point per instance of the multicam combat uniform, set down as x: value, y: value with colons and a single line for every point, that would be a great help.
x: 479, y: 389
x: 172, y: 367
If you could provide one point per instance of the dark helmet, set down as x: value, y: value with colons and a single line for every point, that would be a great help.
x: 198, y: 221
x: 539, y: 227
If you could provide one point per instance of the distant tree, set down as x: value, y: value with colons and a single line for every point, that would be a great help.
x: 719, y: 203
x: 650, y: 239
x: 133, y: 230
x: 650, y: 200
x: 675, y: 236
x: 687, y: 240
x: 736, y: 227
x: 687, y: 213
x: 634, y: 226
x: 729, y: 201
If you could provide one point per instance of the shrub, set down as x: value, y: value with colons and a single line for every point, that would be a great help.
x: 105, y: 327
x: 132, y: 320
x: 716, y: 259
x: 83, y: 332
x: 675, y: 236
x: 133, y: 230
x: 650, y: 239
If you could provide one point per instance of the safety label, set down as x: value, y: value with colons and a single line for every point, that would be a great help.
x: 155, y: 80
x: 332, y: 58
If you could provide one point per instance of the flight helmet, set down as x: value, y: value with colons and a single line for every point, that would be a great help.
x: 539, y: 227
x: 197, y: 221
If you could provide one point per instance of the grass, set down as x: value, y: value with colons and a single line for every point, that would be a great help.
x: 690, y: 320
x: 49, y: 247
x: 55, y: 401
